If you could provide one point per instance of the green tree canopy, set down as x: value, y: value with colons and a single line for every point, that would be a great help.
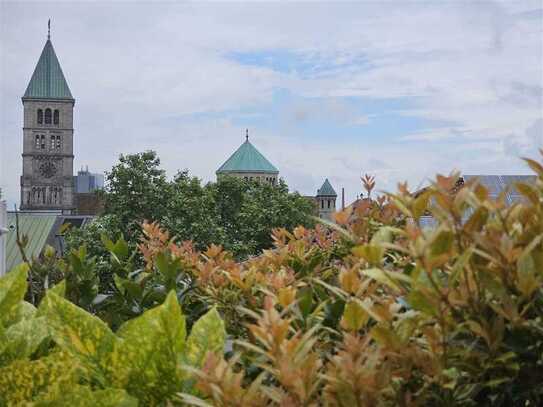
x: 234, y: 213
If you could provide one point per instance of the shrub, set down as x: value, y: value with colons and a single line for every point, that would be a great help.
x: 375, y: 310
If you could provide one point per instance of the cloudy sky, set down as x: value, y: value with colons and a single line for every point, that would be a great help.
x: 399, y: 90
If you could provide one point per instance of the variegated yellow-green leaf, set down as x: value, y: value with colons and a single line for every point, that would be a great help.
x: 354, y: 316
x: 207, y: 335
x: 22, y: 339
x: 83, y: 335
x: 148, y: 351
x: 23, y: 310
x: 59, y: 289
x: 84, y: 396
x: 12, y: 291
x: 23, y: 380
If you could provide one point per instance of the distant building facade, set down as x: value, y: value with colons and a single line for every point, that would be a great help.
x: 86, y: 182
x: 496, y: 185
x: 249, y: 164
x: 47, y: 179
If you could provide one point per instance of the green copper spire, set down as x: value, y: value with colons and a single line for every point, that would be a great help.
x: 247, y: 159
x: 48, y: 81
x: 326, y: 189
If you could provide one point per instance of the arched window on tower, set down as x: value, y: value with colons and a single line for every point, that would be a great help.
x: 40, y: 116
x: 37, y: 141
x: 56, y: 117
x: 328, y: 204
x: 52, y: 146
x: 322, y: 204
x: 47, y: 116
x: 42, y: 137
x: 58, y: 143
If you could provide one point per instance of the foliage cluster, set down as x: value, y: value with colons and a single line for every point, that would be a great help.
x: 237, y: 214
x: 60, y: 355
x: 375, y: 310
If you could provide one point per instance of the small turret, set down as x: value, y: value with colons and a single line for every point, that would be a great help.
x: 326, y: 200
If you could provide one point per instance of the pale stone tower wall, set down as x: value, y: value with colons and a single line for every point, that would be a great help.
x: 326, y: 206
x: 47, y: 180
x: 269, y: 177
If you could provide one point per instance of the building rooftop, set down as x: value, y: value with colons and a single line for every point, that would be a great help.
x: 326, y: 189
x: 247, y: 159
x: 48, y: 81
x: 36, y: 227
x: 41, y: 228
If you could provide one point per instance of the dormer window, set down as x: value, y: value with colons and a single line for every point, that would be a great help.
x: 40, y: 116
x: 56, y: 117
x: 48, y: 116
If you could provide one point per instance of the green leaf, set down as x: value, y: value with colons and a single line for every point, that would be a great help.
x: 459, y: 265
x: 23, y: 338
x: 12, y: 291
x: 148, y: 352
x: 385, y: 337
x: 442, y: 243
x: 207, y: 335
x: 305, y: 301
x: 385, y: 234
x: 527, y: 277
x: 23, y: 380
x: 81, y: 334
x: 84, y: 396
x: 23, y: 310
x: 421, y: 302
x: 391, y: 279
x: 369, y: 252
x: 354, y: 316
x: 118, y: 250
x: 59, y: 289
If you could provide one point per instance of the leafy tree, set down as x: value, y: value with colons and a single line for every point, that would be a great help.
x: 236, y: 214
x: 136, y: 191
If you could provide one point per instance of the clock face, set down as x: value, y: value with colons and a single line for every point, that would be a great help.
x: 48, y: 169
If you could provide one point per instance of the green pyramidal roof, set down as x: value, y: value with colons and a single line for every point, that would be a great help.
x: 326, y: 189
x: 48, y: 81
x: 247, y: 159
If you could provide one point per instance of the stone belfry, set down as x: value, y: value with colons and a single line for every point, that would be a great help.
x: 47, y: 180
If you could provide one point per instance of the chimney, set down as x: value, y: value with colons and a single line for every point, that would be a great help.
x: 342, y: 198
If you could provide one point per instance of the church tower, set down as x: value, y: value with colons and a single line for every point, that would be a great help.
x: 326, y: 200
x: 47, y: 180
